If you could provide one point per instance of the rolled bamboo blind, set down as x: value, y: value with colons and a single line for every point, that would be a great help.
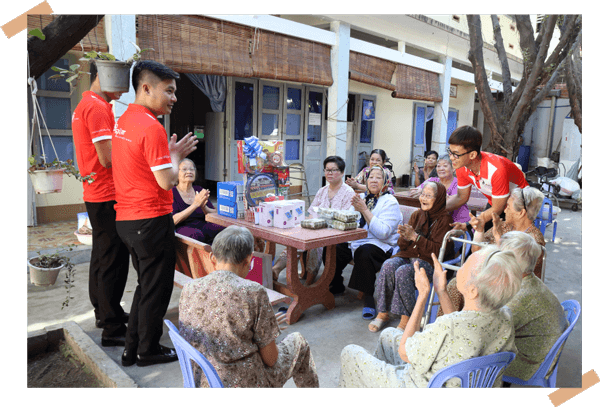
x: 417, y: 84
x: 371, y: 70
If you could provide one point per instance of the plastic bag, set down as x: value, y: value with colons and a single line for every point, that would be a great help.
x: 567, y: 186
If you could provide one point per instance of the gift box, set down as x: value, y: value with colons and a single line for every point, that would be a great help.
x: 231, y: 210
x: 256, y: 155
x: 299, y: 210
x: 266, y: 212
x: 230, y: 192
x: 283, y: 216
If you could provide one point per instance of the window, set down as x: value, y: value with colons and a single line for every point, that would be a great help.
x: 54, y: 98
x: 456, y: 18
x: 244, y: 109
x: 315, y: 112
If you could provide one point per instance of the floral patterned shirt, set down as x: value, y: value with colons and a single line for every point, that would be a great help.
x: 456, y: 337
x: 341, y: 200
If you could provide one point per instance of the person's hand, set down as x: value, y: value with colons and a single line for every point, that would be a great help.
x: 352, y: 182
x: 201, y: 198
x: 280, y: 317
x: 359, y: 204
x: 415, y: 167
x: 407, y: 232
x: 180, y: 149
x: 421, y: 280
x: 496, y: 229
x: 459, y: 226
x: 477, y: 223
x: 415, y: 192
x: 440, y: 281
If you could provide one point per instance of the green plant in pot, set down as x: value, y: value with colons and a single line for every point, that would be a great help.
x: 44, y: 269
x: 47, y: 177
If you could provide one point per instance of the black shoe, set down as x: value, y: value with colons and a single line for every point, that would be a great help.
x: 117, y: 340
x: 128, y: 358
x: 337, y: 290
x: 123, y: 320
x: 163, y: 355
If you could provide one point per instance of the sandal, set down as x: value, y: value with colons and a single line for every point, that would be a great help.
x: 368, y: 313
x: 377, y: 324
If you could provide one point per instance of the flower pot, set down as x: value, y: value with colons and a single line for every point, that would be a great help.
x: 113, y: 75
x: 44, y: 277
x: 47, y: 181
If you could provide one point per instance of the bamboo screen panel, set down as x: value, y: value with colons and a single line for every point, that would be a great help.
x: 417, y: 84
x: 371, y: 70
x: 202, y: 45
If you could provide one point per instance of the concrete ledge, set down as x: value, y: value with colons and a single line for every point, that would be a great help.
x: 104, y: 368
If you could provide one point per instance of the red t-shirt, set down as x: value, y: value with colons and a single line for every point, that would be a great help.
x: 93, y: 121
x: 140, y: 146
x: 497, y: 177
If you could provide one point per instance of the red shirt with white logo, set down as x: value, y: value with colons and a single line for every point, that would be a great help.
x: 140, y: 146
x: 497, y: 177
x: 93, y: 121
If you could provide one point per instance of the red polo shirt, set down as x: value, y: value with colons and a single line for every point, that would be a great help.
x: 93, y: 121
x: 497, y: 177
x: 140, y: 146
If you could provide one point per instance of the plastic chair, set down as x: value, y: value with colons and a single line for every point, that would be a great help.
x: 541, y: 223
x: 186, y: 354
x: 473, y: 373
x: 573, y: 309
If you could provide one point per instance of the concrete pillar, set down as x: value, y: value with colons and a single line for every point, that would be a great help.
x: 440, y: 110
x: 402, y: 46
x: 337, y: 96
x: 120, y: 30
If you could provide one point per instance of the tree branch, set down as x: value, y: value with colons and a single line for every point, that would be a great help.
x: 499, y: 45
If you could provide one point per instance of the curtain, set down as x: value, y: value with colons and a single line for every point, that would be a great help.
x: 213, y: 86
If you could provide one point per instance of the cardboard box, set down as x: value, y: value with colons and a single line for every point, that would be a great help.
x: 266, y: 212
x: 283, y: 216
x: 231, y: 210
x: 230, y: 192
x: 299, y: 210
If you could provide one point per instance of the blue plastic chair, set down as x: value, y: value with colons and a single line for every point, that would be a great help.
x: 573, y: 310
x: 541, y: 223
x: 473, y: 373
x: 186, y: 354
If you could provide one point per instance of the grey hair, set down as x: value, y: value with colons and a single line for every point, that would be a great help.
x: 233, y: 245
x: 431, y: 184
x: 446, y: 158
x: 497, y: 278
x: 526, y: 249
x: 533, y: 196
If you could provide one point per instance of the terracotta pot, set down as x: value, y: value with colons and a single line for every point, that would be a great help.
x: 44, y: 277
x: 47, y: 181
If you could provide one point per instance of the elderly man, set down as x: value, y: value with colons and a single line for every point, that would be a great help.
x: 230, y: 320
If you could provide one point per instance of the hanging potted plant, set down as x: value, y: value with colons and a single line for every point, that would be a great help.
x: 44, y: 270
x: 47, y: 177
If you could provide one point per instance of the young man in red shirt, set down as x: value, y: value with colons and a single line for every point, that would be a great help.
x: 495, y: 176
x: 93, y: 124
x: 146, y: 166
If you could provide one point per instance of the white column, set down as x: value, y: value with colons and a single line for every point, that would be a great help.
x: 440, y: 110
x: 120, y: 30
x: 337, y: 96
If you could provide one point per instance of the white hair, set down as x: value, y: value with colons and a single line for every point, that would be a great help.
x: 433, y: 186
x: 233, y: 245
x: 533, y: 197
x: 526, y: 249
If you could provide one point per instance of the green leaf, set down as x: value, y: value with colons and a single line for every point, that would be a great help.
x: 57, y: 76
x: 74, y: 67
x: 71, y: 78
x: 36, y: 32
x: 135, y: 45
x: 57, y: 69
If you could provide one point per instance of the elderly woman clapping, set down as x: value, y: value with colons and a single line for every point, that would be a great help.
x: 380, y: 216
x: 488, y: 280
x: 230, y: 320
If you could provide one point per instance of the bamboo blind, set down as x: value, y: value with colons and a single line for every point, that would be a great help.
x: 94, y: 41
x: 417, y: 84
x: 371, y: 70
x: 198, y: 44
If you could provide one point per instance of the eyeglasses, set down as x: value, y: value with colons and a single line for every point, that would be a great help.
x: 524, y: 202
x: 450, y: 153
x: 427, y: 196
x: 330, y: 171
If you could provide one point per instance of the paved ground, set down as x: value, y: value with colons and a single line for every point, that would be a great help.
x: 326, y: 331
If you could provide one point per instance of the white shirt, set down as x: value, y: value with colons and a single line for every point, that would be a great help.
x: 383, y: 229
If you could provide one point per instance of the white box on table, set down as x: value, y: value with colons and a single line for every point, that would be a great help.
x: 283, y: 216
x: 266, y: 212
x: 299, y: 210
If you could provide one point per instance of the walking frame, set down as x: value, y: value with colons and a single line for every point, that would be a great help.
x: 453, y: 236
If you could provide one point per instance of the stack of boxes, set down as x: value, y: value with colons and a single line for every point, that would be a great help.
x: 230, y: 199
x: 281, y: 214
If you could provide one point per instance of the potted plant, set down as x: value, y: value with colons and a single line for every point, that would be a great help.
x: 44, y: 269
x: 113, y: 74
x: 47, y: 177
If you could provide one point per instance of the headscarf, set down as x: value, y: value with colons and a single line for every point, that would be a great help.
x: 426, y: 219
x: 370, y: 198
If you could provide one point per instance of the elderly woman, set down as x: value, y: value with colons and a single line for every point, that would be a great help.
x: 190, y: 206
x: 337, y: 195
x: 380, y: 216
x: 359, y: 183
x: 538, y: 316
x: 488, y: 280
x: 423, y: 235
x: 445, y: 175
x: 230, y: 321
x: 522, y: 207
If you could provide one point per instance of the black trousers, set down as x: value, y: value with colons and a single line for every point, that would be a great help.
x: 151, y: 243
x: 109, y: 267
x: 368, y: 260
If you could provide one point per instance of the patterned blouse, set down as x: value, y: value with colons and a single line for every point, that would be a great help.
x: 341, y: 200
x: 228, y: 319
x: 361, y: 178
x: 456, y: 337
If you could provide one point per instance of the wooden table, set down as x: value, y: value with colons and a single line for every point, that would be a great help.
x: 298, y: 238
x: 476, y: 203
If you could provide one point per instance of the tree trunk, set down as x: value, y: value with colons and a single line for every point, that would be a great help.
x: 62, y: 34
